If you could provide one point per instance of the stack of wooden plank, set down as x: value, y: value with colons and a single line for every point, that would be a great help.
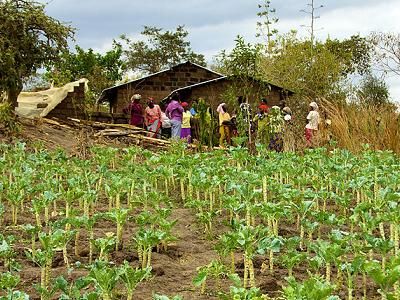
x: 133, y: 134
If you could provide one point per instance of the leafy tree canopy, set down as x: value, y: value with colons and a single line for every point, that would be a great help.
x: 243, y: 60
x: 319, y: 69
x: 102, y: 70
x: 295, y: 64
x: 354, y: 54
x: 160, y: 50
x: 373, y: 91
x: 29, y: 39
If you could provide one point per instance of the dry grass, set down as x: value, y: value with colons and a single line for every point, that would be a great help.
x: 354, y: 125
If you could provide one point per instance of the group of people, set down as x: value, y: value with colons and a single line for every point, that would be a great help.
x: 172, y: 122
x: 269, y: 125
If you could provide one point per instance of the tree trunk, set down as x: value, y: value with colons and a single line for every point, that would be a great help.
x: 13, y: 95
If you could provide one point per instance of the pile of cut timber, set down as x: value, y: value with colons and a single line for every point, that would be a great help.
x: 133, y: 134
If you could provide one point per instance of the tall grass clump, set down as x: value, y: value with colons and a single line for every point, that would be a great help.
x: 354, y: 124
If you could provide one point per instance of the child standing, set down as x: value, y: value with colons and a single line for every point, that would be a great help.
x: 186, y: 132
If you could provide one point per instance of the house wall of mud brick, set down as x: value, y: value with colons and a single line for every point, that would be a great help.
x: 72, y: 106
x: 160, y: 85
x: 213, y: 94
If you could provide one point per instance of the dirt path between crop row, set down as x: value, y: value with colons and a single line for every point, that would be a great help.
x: 176, y: 268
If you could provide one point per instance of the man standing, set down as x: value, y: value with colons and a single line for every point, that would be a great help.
x: 174, y: 112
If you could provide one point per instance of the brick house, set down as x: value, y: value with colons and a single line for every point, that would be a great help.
x: 190, y: 81
x: 158, y: 85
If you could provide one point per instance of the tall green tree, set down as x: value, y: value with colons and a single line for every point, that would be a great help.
x: 29, y: 39
x: 160, y: 50
x: 295, y: 67
x: 102, y: 70
x: 354, y: 54
x: 242, y: 61
x: 373, y: 91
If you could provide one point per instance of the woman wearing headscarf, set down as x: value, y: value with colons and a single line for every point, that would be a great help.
x: 261, y: 120
x: 135, y: 109
x: 153, y: 118
x: 264, y: 105
x: 287, y: 114
x: 224, y: 129
x: 186, y: 132
x: 275, y: 124
x: 312, y: 123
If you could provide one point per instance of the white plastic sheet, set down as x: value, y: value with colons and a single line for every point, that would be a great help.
x: 39, y: 104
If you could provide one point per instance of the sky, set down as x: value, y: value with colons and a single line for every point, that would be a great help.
x: 214, y: 24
